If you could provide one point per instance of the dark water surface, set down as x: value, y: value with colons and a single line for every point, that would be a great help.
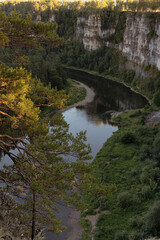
x: 94, y: 117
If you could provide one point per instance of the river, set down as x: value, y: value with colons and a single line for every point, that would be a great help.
x: 94, y: 117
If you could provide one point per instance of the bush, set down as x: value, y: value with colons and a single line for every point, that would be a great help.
x: 134, y: 172
x: 146, y: 192
x: 144, y: 152
x: 134, y: 235
x: 103, y: 204
x: 121, y: 236
x: 156, y: 99
x: 156, y: 144
x: 135, y: 113
x: 89, y: 211
x: 128, y: 138
x: 145, y: 177
x: 125, y: 200
x: 85, y: 236
x: 152, y: 220
x: 86, y: 224
x: 135, y: 222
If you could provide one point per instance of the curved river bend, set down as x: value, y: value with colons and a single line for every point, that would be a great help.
x: 94, y: 117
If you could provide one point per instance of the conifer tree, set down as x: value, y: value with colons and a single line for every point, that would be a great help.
x: 48, y: 170
x: 42, y: 172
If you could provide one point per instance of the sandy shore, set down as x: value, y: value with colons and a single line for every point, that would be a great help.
x: 89, y: 97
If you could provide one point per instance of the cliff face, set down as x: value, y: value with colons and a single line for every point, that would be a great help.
x: 139, y: 46
x: 141, y: 37
x: 88, y: 31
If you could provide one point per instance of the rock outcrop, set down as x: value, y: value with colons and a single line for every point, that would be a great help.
x: 138, y: 45
x: 89, y: 31
x: 141, y: 37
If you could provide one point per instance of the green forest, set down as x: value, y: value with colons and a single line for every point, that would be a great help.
x: 121, y: 186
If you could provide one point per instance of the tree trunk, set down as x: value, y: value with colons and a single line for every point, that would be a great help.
x: 33, y: 214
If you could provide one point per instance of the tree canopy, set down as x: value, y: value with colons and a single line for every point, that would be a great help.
x: 50, y: 169
x: 51, y: 164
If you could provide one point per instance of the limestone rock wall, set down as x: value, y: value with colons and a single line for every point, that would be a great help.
x: 90, y: 33
x: 138, y: 47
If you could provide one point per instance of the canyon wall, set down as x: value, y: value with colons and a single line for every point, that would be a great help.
x: 141, y: 37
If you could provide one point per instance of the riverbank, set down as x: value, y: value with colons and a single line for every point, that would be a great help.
x: 90, y: 94
x: 114, y: 79
x: 128, y: 161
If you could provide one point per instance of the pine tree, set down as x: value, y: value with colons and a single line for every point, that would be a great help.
x: 49, y: 169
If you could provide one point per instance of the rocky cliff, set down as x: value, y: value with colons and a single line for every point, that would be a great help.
x: 141, y: 37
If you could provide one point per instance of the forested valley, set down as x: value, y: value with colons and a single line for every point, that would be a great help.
x: 121, y: 186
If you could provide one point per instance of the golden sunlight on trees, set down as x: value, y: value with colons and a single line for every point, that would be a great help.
x: 51, y: 165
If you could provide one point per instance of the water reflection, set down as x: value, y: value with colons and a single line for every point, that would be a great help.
x: 110, y: 95
x: 97, y: 126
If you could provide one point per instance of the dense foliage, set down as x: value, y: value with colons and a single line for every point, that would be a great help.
x: 87, y: 6
x: 130, y: 160
x: 50, y: 164
x: 105, y: 60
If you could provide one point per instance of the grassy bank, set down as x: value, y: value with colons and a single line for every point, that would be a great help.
x: 130, y: 161
x: 76, y: 93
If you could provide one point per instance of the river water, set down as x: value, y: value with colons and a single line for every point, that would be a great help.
x: 94, y: 117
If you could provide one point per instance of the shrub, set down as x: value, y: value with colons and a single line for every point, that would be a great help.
x: 135, y: 222
x: 146, y: 192
x: 156, y: 144
x: 134, y: 172
x: 101, y: 220
x: 156, y: 99
x: 103, y: 204
x: 85, y: 236
x: 152, y: 220
x: 125, y: 200
x: 86, y: 224
x: 144, y: 152
x: 121, y: 236
x: 134, y: 235
x: 135, y: 113
x: 128, y: 138
x: 145, y: 177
